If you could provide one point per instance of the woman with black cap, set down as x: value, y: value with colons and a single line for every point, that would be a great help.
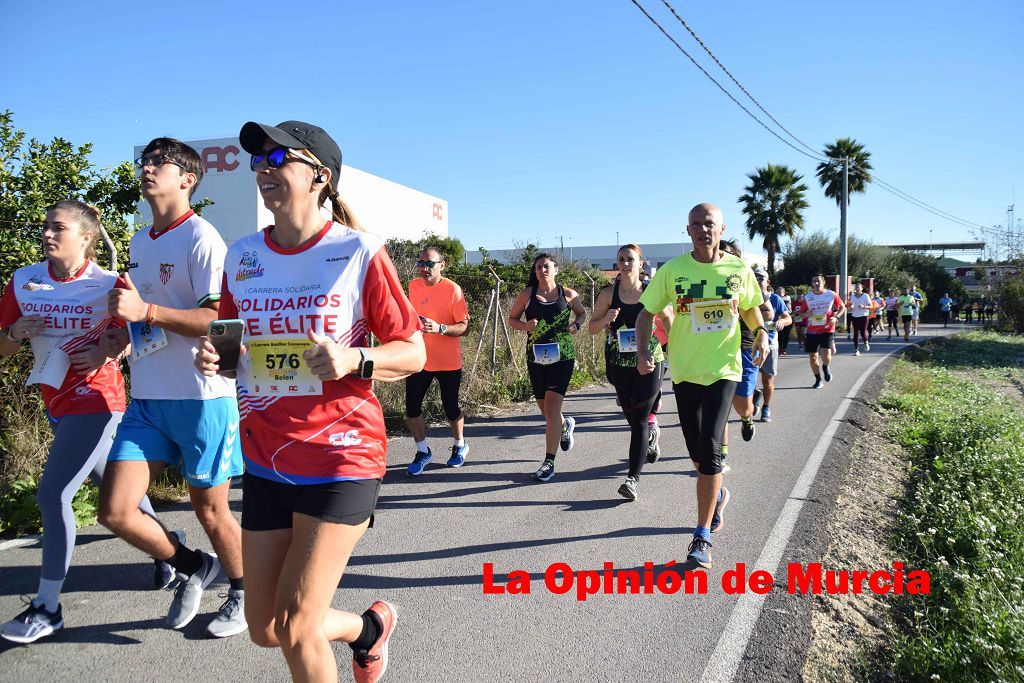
x: 309, y: 291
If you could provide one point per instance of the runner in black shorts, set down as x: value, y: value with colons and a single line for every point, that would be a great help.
x: 615, y: 314
x: 550, y: 353
x: 709, y: 290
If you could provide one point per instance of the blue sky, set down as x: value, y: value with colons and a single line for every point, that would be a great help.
x: 544, y: 119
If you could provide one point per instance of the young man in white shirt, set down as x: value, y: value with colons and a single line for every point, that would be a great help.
x: 860, y: 309
x: 177, y: 416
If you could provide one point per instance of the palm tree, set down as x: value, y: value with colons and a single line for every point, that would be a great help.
x: 774, y: 204
x: 830, y: 173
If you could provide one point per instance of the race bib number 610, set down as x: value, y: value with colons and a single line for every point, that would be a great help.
x: 278, y: 368
x: 711, y: 316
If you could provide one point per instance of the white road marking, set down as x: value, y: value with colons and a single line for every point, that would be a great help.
x: 725, y: 660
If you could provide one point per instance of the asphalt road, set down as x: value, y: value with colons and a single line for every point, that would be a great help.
x: 434, y: 534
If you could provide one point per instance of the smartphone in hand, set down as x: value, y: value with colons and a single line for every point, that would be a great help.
x: 226, y: 337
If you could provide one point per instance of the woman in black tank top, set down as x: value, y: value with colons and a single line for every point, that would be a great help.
x: 615, y: 314
x: 552, y: 315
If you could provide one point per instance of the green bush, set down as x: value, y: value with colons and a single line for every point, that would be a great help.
x: 961, y: 516
x: 19, y: 513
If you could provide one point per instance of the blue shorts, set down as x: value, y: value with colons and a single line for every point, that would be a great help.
x: 199, y: 437
x: 749, y: 382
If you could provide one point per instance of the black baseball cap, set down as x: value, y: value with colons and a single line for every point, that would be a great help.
x: 296, y: 135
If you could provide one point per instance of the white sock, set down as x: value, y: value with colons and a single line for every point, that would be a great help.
x: 422, y: 446
x: 460, y: 442
x: 49, y: 594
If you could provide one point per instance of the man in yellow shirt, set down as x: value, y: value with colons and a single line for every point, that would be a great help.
x: 709, y: 290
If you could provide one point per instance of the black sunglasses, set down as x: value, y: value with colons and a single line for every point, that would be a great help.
x: 156, y: 160
x: 426, y: 264
x: 278, y: 157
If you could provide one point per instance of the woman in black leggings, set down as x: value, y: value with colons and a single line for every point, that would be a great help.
x: 553, y: 314
x: 615, y: 313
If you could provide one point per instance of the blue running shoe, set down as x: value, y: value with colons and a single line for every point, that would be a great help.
x: 459, y: 454
x: 32, y: 624
x: 699, y: 553
x: 420, y: 462
x: 826, y: 373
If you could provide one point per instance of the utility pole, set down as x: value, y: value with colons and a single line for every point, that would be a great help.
x: 843, y: 293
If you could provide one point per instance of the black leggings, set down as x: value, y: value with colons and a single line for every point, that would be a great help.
x: 448, y: 381
x: 860, y: 326
x: 637, y: 394
x: 703, y: 412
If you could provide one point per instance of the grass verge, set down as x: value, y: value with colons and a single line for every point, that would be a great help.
x: 955, y: 408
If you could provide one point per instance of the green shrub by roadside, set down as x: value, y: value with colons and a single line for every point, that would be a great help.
x: 961, y: 517
x: 19, y: 513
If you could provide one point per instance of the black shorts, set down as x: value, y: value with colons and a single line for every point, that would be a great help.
x: 268, y: 505
x: 703, y: 412
x: 892, y: 316
x: 813, y: 342
x: 554, y: 377
x: 417, y: 384
x: 907, y: 319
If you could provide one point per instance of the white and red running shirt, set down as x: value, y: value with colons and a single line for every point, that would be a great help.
x: 341, y: 284
x: 179, y: 267
x: 819, y: 310
x: 75, y: 314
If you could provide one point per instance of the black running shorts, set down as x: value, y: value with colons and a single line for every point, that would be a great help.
x: 269, y: 505
x: 417, y: 384
x: 813, y: 342
x: 554, y: 377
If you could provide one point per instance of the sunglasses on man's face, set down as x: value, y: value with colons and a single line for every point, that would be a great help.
x: 155, y: 160
x: 278, y: 157
x: 426, y: 264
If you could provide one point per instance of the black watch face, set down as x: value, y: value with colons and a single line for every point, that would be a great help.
x: 366, y: 372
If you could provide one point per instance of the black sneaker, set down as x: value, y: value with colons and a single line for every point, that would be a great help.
x: 654, y: 444
x: 628, y: 488
x: 716, y: 520
x: 568, y: 427
x: 747, y: 429
x: 827, y: 373
x: 817, y: 384
x: 546, y: 471
x: 699, y: 553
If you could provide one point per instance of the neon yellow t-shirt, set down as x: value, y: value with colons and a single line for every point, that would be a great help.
x: 704, y: 342
x: 907, y: 304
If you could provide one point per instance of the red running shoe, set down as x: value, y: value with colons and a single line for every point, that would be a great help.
x: 368, y: 666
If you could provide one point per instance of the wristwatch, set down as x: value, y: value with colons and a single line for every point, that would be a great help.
x: 442, y: 328
x: 365, y: 370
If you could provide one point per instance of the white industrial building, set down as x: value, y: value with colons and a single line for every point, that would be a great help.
x: 382, y: 207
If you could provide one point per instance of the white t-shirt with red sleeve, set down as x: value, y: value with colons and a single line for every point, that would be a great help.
x: 820, y: 311
x: 75, y: 315
x: 179, y: 267
x: 341, y: 284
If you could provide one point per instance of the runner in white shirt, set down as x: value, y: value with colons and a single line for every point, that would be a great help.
x: 860, y: 310
x: 177, y: 416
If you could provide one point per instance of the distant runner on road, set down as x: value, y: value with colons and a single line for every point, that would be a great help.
x: 441, y: 306
x: 907, y: 302
x: 553, y: 315
x: 945, y: 308
x: 821, y: 308
x: 709, y: 290
x: 860, y: 312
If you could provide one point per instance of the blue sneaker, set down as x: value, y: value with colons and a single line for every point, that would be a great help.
x: 826, y: 373
x: 766, y: 414
x: 420, y: 462
x: 546, y: 471
x: 459, y: 454
x: 699, y: 553
x: 32, y: 624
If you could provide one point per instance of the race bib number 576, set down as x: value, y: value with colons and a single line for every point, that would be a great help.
x: 278, y: 368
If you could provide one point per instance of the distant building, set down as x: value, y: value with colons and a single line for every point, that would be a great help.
x: 603, y: 257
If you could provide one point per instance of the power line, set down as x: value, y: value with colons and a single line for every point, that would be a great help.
x: 738, y: 84
x: 720, y: 87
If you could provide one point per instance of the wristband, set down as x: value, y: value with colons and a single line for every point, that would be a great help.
x: 150, y: 314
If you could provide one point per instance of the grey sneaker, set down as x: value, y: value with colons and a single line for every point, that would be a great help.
x: 32, y: 624
x: 189, y: 592
x: 628, y: 488
x: 230, y: 619
x: 654, y: 444
x: 163, y: 573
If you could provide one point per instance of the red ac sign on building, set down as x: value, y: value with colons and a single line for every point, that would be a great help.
x: 220, y: 158
x: 438, y: 212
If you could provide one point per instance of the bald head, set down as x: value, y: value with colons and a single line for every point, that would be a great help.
x: 705, y: 227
